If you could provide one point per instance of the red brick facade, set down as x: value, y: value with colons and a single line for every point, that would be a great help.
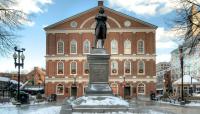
x: 121, y: 28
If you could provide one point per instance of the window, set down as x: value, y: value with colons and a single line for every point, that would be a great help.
x: 86, y: 68
x: 114, y: 47
x: 140, y: 46
x: 127, y: 67
x: 60, y: 47
x: 141, y: 89
x: 141, y: 67
x: 73, y: 47
x: 73, y: 67
x: 86, y: 46
x: 60, y: 67
x: 114, y: 67
x: 127, y: 47
x: 60, y: 89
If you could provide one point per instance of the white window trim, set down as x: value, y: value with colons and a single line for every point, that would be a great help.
x: 63, y: 46
x: 84, y: 46
x: 125, y: 65
x: 144, y: 89
x: 63, y: 67
x: 71, y: 66
x: 139, y: 68
x: 117, y: 68
x: 111, y: 47
x: 84, y: 68
x: 138, y: 47
x: 71, y: 48
x: 63, y: 89
x: 125, y: 45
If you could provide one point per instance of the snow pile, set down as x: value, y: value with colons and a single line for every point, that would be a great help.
x: 100, y: 100
x: 7, y: 104
x: 15, y: 82
x: 186, y: 80
x: 4, y: 79
x: 193, y: 104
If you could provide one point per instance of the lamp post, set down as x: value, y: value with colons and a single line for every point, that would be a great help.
x: 19, y: 56
x: 181, y: 61
x: 191, y: 86
x: 124, y: 84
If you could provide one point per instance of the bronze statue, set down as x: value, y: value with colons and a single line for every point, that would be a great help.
x: 101, y: 29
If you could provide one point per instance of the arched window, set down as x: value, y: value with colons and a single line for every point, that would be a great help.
x: 127, y: 47
x: 73, y: 47
x: 86, y: 68
x: 114, y: 47
x: 140, y: 47
x: 127, y: 67
x: 60, y: 67
x: 86, y: 46
x: 141, y: 67
x: 60, y: 89
x: 60, y: 47
x: 73, y: 67
x: 114, y: 67
x: 141, y: 89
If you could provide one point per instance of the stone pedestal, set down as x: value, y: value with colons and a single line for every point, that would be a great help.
x: 99, y: 70
x: 99, y: 97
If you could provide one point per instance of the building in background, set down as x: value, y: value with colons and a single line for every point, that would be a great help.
x: 36, y: 77
x: 130, y: 41
x: 163, y: 77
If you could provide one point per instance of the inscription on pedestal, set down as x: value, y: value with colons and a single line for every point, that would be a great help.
x: 98, y: 73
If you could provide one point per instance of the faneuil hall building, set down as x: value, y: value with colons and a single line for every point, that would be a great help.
x: 130, y: 42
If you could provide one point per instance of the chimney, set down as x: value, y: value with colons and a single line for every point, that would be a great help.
x: 100, y: 3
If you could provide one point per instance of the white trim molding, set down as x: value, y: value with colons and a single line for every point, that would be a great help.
x: 93, y: 17
x: 114, y: 57
x: 134, y: 30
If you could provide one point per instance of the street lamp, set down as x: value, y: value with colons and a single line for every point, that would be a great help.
x: 163, y: 86
x: 181, y: 61
x: 20, y: 56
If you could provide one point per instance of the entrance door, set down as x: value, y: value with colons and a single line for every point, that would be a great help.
x: 127, y: 92
x: 74, y: 91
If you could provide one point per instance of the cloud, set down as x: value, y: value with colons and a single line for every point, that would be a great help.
x: 145, y: 7
x: 163, y: 58
x: 31, y: 7
x: 165, y: 43
x: 166, y: 38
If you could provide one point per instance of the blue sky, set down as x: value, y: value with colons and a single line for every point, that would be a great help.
x: 46, y: 12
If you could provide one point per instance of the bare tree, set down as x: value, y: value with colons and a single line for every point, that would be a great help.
x: 187, y: 22
x: 11, y: 20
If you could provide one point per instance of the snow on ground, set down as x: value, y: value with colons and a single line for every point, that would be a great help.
x: 149, y: 112
x: 178, y: 103
x: 37, y: 109
x: 47, y: 110
x: 100, y: 100
x: 104, y: 113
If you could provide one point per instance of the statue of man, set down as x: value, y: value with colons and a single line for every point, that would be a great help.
x: 101, y: 29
